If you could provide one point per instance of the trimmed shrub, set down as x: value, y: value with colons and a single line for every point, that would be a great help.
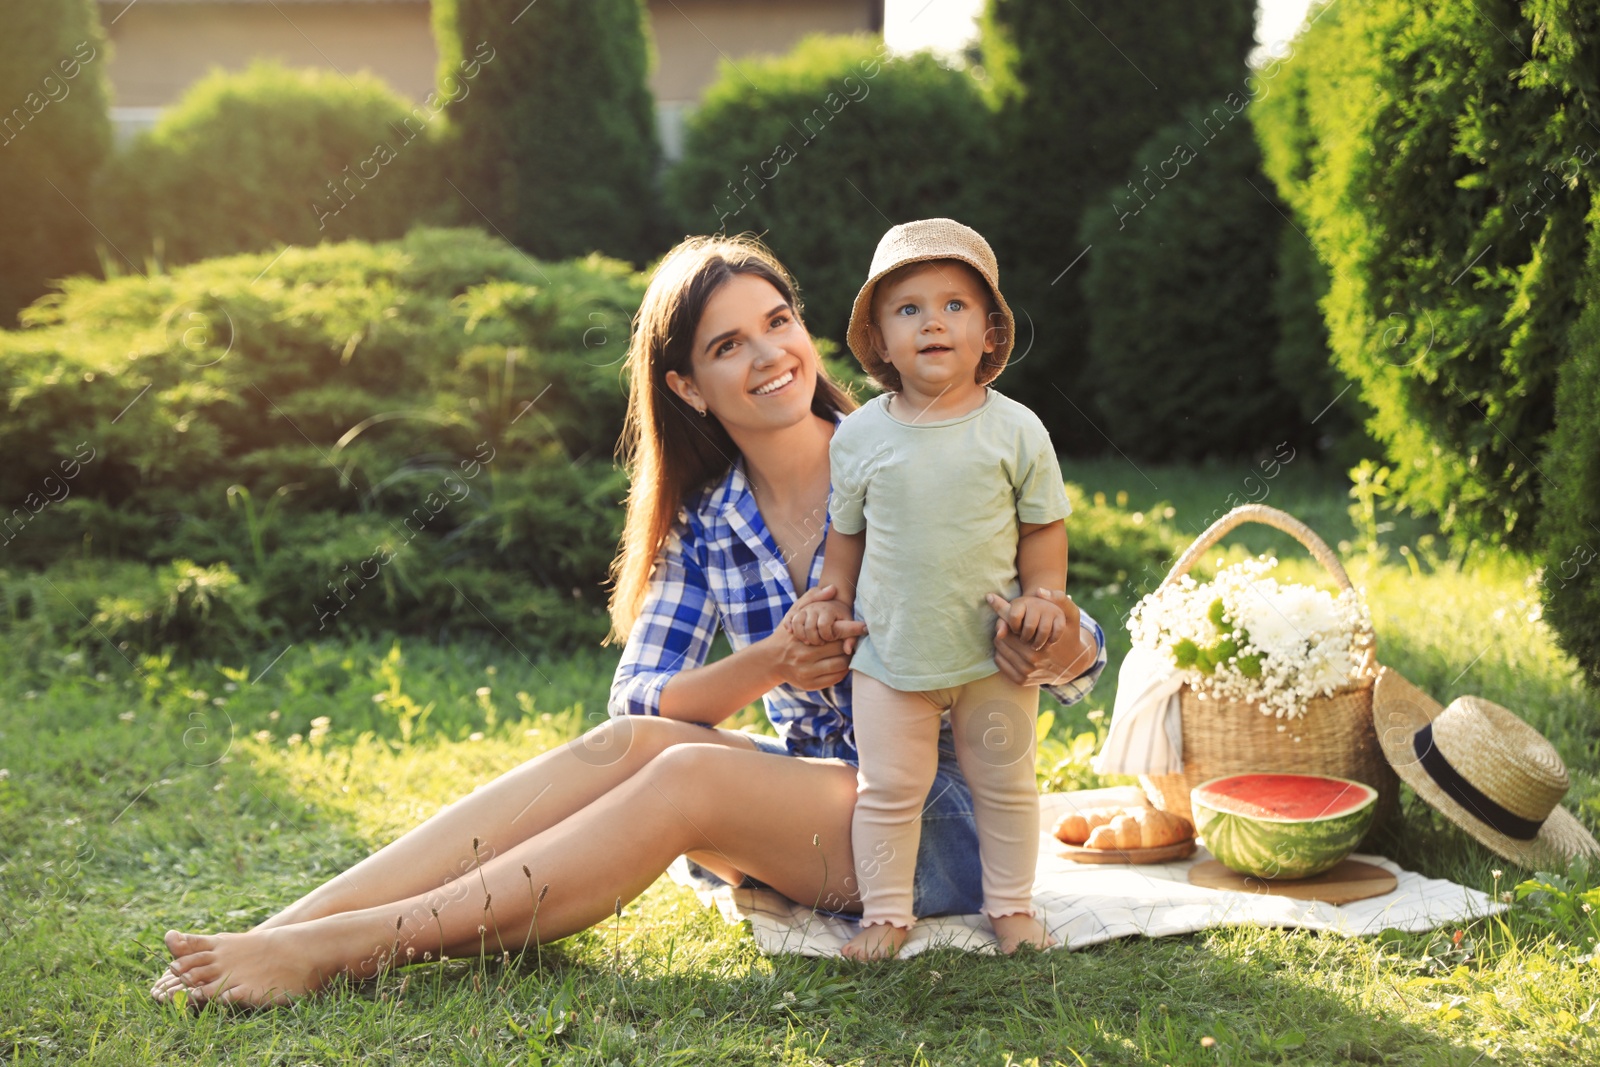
x: 1181, y: 339
x: 1302, y: 359
x: 1453, y: 157
x: 1569, y: 529
x: 1079, y: 88
x: 556, y: 141
x: 247, y: 161
x: 415, y: 435
x: 54, y: 133
x: 823, y: 149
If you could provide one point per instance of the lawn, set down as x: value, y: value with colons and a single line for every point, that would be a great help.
x: 140, y: 796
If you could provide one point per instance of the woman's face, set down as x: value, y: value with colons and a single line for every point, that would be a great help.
x: 754, y: 366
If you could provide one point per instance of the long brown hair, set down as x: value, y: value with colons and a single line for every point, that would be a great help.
x: 668, y: 450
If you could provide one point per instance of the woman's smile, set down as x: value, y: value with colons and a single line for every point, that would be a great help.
x: 776, y: 385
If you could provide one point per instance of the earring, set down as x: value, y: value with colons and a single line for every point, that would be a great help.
x: 702, y: 412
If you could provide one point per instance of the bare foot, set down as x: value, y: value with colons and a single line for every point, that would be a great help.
x: 880, y: 941
x: 259, y: 968
x: 1014, y: 931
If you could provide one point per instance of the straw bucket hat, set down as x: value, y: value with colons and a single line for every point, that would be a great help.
x: 1489, y: 772
x: 918, y: 242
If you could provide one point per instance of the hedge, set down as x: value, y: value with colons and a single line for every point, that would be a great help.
x: 1329, y: 401
x: 247, y: 161
x: 414, y: 435
x: 54, y: 132
x: 1077, y: 89
x: 1449, y: 165
x: 1569, y: 530
x: 823, y: 149
x: 555, y: 143
x: 1181, y: 339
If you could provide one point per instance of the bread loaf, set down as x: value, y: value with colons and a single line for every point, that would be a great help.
x: 1141, y: 828
x: 1075, y: 827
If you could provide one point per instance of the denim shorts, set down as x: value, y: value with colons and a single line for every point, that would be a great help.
x: 949, y: 878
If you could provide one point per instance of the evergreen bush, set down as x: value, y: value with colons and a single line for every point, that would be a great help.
x: 1453, y: 154
x: 1569, y: 531
x: 1329, y: 401
x: 822, y: 150
x: 413, y: 435
x: 1078, y: 88
x: 556, y: 143
x: 54, y: 133
x: 250, y: 160
x: 1181, y: 338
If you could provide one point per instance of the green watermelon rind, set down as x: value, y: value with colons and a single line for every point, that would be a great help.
x: 1278, y: 848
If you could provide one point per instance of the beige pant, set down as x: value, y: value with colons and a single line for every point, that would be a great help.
x: 897, y: 735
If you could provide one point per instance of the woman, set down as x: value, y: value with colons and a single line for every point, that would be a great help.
x: 729, y: 419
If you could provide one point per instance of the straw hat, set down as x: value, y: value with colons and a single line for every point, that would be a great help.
x: 918, y: 242
x: 1488, y: 771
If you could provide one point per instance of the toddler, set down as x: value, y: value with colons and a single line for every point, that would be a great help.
x: 944, y: 490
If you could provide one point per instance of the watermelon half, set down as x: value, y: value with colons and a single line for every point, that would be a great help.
x: 1282, y: 825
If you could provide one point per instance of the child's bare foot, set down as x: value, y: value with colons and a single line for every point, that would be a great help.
x: 1014, y: 931
x: 258, y: 968
x: 880, y: 941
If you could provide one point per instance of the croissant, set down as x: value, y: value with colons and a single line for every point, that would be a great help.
x: 1075, y: 827
x: 1141, y: 828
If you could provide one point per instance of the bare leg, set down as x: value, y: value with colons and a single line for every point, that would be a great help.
x: 516, y: 806
x: 759, y: 812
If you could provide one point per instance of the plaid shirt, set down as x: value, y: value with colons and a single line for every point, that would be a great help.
x: 721, y: 567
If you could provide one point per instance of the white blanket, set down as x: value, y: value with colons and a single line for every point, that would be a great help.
x: 1086, y: 904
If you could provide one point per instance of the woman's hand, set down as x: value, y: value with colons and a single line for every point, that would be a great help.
x: 1062, y: 660
x: 812, y: 667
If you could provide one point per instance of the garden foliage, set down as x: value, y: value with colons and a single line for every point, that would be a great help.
x: 1442, y: 158
x: 1175, y: 285
x: 414, y: 435
x: 250, y: 160
x: 823, y: 149
x: 1328, y: 399
x: 1569, y: 530
x: 554, y: 147
x: 1079, y: 87
x: 54, y: 132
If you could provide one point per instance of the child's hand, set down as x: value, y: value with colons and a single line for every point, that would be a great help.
x: 813, y: 623
x: 1036, y: 620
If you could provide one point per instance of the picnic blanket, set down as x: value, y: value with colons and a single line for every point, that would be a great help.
x: 1086, y: 904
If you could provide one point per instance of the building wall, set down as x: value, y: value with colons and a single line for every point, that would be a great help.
x: 694, y: 37
x: 160, y: 47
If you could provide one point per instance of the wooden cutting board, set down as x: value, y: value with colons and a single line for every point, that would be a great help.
x: 1351, y: 880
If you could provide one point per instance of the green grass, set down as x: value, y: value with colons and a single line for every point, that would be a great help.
x: 133, y: 801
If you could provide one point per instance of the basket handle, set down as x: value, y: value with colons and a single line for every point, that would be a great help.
x: 1278, y: 520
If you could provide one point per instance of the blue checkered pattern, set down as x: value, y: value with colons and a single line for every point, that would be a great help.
x: 721, y: 567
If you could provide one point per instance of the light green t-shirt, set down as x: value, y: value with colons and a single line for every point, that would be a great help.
x: 940, y: 502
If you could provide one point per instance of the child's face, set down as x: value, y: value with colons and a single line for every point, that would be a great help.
x: 931, y: 324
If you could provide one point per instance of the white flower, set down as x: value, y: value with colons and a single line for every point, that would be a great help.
x: 1290, y: 642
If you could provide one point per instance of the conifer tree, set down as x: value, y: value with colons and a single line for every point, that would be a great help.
x: 1080, y: 87
x: 552, y: 131
x: 54, y: 133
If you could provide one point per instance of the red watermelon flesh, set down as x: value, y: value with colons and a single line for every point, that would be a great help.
x: 1286, y: 797
x: 1282, y: 825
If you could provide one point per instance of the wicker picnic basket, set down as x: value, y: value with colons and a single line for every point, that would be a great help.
x: 1335, y: 736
